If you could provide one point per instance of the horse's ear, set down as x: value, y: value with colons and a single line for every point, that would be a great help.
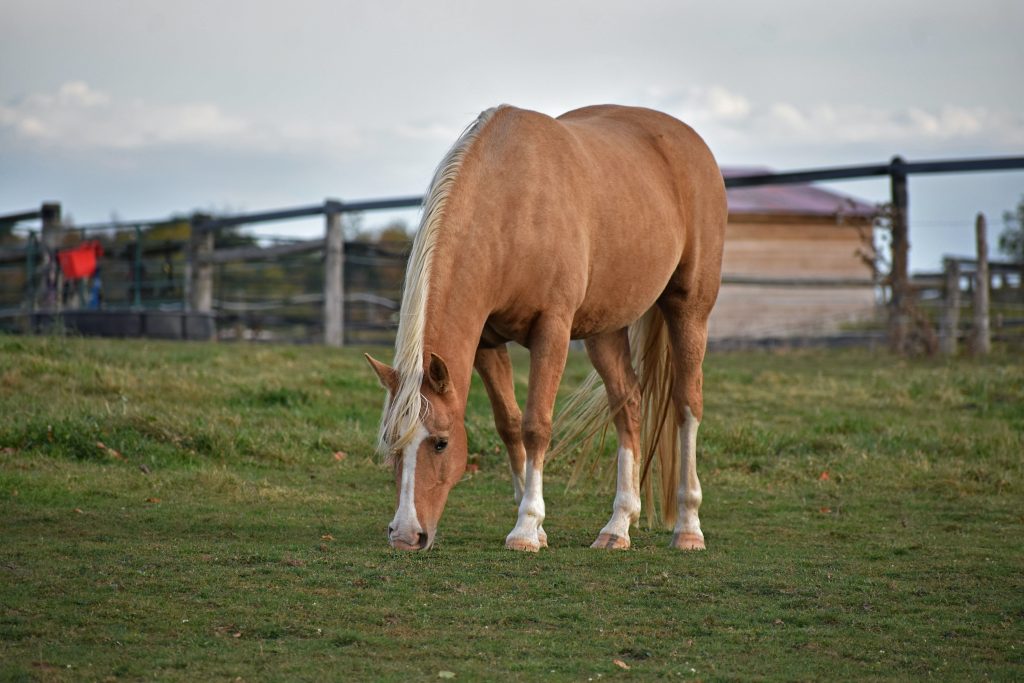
x: 385, y: 373
x: 437, y: 373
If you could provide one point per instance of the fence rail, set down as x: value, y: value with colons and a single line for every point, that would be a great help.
x: 189, y: 271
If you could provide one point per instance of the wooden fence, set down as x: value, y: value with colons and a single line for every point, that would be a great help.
x: 201, y: 258
x: 974, y: 300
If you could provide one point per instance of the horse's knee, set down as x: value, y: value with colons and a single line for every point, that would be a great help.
x: 510, y: 429
x: 536, y: 433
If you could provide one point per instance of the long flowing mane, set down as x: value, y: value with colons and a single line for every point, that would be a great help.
x: 404, y: 410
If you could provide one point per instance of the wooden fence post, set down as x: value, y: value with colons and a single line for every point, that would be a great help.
x: 334, y: 271
x: 951, y: 308
x: 899, y: 318
x: 982, y: 341
x: 200, y: 267
x: 50, y: 236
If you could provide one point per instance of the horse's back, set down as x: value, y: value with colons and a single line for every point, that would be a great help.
x: 598, y: 210
x: 669, y: 202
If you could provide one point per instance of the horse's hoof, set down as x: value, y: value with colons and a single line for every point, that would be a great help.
x: 611, y: 542
x: 525, y: 545
x: 688, y: 542
x: 542, y: 538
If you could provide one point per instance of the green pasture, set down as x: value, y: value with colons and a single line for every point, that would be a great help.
x: 208, y: 512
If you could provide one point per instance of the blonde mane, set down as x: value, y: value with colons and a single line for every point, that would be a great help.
x: 403, y: 411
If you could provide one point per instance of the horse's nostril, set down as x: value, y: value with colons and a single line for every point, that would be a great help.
x: 391, y: 530
x: 422, y: 540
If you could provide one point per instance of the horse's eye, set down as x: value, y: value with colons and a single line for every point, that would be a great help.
x: 440, y: 445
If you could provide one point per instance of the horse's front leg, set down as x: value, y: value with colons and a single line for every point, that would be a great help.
x: 549, y: 346
x: 495, y: 369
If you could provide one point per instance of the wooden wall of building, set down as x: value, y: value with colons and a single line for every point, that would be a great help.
x: 791, y: 247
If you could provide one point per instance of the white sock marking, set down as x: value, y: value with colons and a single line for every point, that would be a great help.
x: 531, y: 510
x: 626, y: 508
x: 689, y: 495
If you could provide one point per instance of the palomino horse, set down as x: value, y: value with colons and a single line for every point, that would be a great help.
x: 605, y: 224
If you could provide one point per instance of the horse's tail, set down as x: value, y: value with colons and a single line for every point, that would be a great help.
x: 587, y: 415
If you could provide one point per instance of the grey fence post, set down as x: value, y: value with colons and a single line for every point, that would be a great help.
x: 982, y: 341
x: 50, y: 214
x: 334, y: 271
x: 951, y: 308
x: 899, y: 315
x: 30, y: 272
x: 200, y: 267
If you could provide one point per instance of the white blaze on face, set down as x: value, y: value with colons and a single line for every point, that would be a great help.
x: 405, y: 524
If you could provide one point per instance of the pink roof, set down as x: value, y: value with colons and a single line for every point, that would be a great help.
x: 808, y: 200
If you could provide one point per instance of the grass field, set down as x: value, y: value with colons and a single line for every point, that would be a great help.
x: 213, y: 512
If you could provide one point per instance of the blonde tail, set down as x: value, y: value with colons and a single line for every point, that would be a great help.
x: 587, y: 415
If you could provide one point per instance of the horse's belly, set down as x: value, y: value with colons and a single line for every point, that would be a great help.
x: 606, y: 316
x: 620, y: 297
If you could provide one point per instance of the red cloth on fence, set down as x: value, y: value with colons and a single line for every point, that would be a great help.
x: 80, y: 261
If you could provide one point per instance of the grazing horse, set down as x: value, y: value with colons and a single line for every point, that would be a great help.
x: 605, y: 224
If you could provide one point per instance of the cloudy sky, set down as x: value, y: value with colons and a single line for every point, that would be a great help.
x: 141, y: 109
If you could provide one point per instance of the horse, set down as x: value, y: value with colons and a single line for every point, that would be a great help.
x: 604, y: 224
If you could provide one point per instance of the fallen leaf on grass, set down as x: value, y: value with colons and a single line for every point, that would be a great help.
x: 229, y: 630
x: 825, y: 511
x: 327, y: 537
x: 340, y: 455
x: 621, y: 664
x: 152, y: 500
x: 144, y: 469
x: 824, y: 476
x: 79, y: 511
x: 446, y: 674
x: 114, y: 453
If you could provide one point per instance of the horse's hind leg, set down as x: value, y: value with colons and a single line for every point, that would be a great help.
x: 610, y: 355
x: 688, y: 334
x: 495, y: 369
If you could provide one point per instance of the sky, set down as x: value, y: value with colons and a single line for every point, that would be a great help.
x: 140, y: 109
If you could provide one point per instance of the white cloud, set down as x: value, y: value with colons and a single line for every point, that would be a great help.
x: 428, y: 130
x: 861, y: 123
x: 726, y: 115
x: 726, y: 105
x: 700, y: 103
x: 80, y: 117
x: 79, y: 92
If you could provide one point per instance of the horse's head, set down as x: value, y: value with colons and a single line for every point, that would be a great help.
x: 428, y: 466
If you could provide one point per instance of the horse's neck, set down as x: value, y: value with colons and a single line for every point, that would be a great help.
x: 452, y: 331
